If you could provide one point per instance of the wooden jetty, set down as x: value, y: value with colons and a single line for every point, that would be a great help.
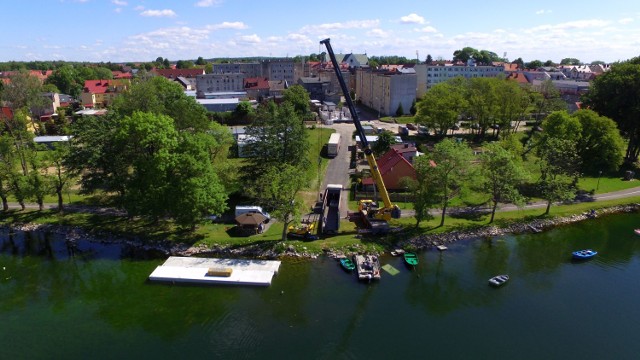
x: 368, y: 267
x: 216, y: 271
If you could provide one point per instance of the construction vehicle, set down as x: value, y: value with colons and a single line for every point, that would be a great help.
x: 367, y: 208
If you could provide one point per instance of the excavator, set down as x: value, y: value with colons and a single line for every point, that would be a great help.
x: 367, y: 208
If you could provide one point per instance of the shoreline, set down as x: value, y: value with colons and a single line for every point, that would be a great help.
x: 418, y: 243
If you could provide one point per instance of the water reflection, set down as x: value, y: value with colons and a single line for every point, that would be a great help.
x: 99, y: 295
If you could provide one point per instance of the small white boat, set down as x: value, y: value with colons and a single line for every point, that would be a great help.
x: 636, y: 231
x: 498, y: 280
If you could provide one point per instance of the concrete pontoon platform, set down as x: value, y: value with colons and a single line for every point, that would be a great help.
x: 194, y: 270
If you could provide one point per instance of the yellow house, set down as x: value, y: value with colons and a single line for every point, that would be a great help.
x: 100, y: 93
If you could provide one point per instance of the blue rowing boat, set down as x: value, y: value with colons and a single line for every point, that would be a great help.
x: 584, y: 254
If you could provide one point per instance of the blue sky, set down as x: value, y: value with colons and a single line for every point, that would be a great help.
x: 142, y: 30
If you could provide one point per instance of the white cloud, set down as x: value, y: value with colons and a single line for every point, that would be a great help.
x: 542, y: 12
x: 625, y: 20
x: 117, y: 10
x: 254, y: 39
x: 208, y: 3
x: 427, y: 29
x: 159, y: 13
x: 237, y: 25
x: 119, y: 2
x: 181, y: 38
x: 579, y: 24
x: 412, y: 19
x: 353, y: 24
x: 139, y: 8
x: 379, y: 33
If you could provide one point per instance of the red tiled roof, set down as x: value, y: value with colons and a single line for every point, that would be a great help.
x: 174, y: 73
x: 387, y: 162
x: 256, y: 83
x: 6, y: 112
x: 122, y: 75
x: 518, y: 77
x: 101, y: 86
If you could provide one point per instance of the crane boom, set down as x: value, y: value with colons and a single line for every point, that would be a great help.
x: 390, y: 210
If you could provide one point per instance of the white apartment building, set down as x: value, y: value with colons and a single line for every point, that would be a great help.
x: 385, y: 91
x: 429, y: 75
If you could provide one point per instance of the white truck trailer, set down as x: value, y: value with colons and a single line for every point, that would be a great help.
x: 333, y: 146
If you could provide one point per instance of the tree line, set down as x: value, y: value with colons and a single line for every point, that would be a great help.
x: 157, y: 155
x: 570, y: 145
x: 485, y: 104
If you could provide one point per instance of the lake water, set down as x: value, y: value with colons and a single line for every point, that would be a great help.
x: 99, y: 305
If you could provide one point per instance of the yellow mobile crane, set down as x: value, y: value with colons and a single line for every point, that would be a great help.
x: 365, y: 206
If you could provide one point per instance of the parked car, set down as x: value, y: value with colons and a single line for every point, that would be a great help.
x: 410, y: 126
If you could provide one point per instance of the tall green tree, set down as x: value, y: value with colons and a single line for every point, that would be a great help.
x: 277, y: 136
x: 298, y: 97
x: 421, y: 188
x: 601, y: 146
x: 66, y: 80
x: 570, y: 61
x: 440, y: 107
x: 428, y: 60
x: 24, y: 91
x: 519, y: 62
x: 465, y: 54
x: 534, y: 64
x: 170, y: 172
x: 483, y: 102
x: 7, y: 166
x: 452, y: 168
x: 38, y: 185
x: 161, y: 96
x: 598, y: 142
x: 383, y: 144
x: 512, y: 104
x: 559, y: 167
x: 61, y: 178
x: 502, y: 173
x: 278, y: 189
x: 614, y: 94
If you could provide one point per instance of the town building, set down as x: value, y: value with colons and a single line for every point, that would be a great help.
x: 279, y: 70
x: 257, y: 88
x: 249, y: 69
x: 430, y: 75
x: 214, y: 83
x: 385, y: 91
x: 101, y: 93
x: 393, y: 168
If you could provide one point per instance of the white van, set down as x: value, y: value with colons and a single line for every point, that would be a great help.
x: 243, y: 209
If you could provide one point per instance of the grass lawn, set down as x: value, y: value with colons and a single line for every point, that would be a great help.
x: 347, y: 239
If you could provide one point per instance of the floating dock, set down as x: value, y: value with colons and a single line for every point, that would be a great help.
x: 216, y: 271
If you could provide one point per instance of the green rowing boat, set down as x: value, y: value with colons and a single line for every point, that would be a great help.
x: 411, y: 259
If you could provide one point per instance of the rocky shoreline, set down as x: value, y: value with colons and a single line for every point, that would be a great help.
x: 279, y: 250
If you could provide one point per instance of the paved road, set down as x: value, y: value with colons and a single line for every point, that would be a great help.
x: 635, y: 191
x: 338, y: 168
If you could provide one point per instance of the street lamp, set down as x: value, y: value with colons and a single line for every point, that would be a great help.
x: 598, y: 184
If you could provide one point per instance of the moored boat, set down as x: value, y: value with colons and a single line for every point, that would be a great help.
x: 347, y: 264
x: 498, y: 280
x: 411, y: 259
x: 584, y: 254
x: 368, y: 267
x: 636, y: 231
